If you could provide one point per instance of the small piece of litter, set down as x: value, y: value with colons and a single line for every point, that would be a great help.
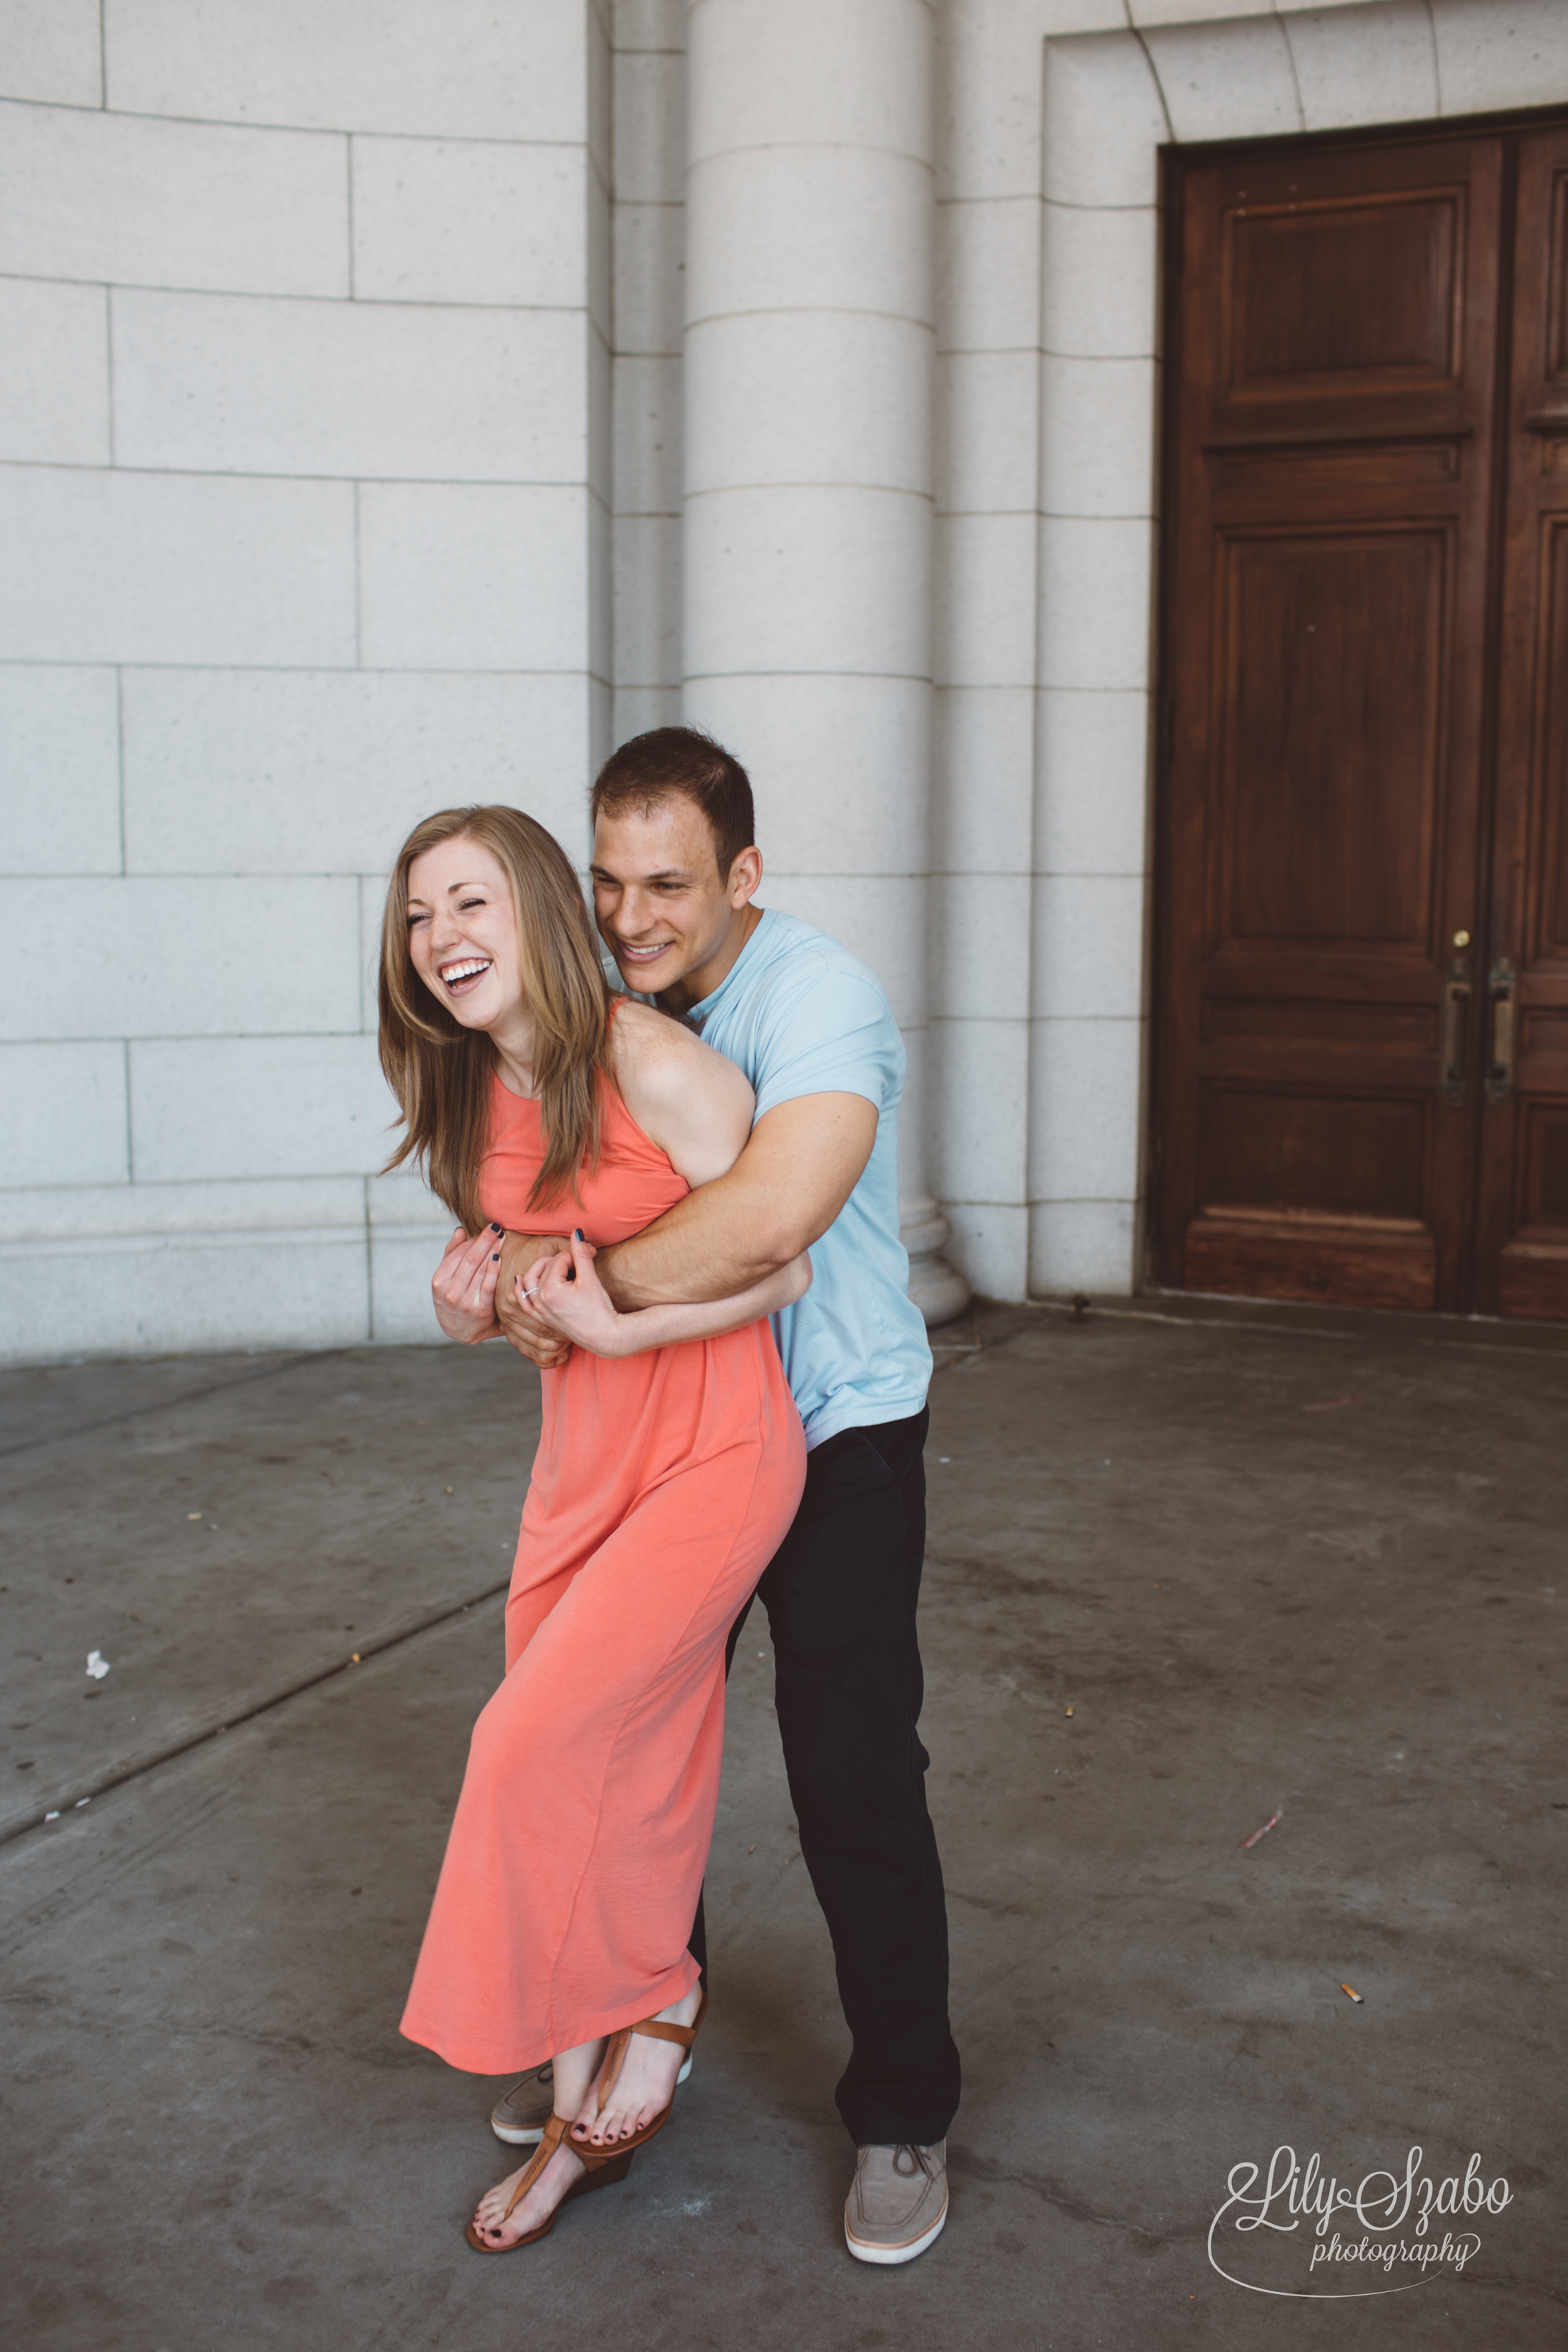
x: 944, y: 1457
x: 97, y: 1664
x: 1268, y: 1825
x: 1351, y: 1991
x: 81, y: 1802
x: 1068, y: 1710
x: 51, y: 1817
x: 446, y: 1490
x: 193, y: 1514
x: 355, y: 1660
x: 751, y: 1849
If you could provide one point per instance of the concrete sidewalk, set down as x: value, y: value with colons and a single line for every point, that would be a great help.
x: 1184, y: 1575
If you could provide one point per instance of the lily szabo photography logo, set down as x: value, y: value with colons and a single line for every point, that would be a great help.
x: 1297, y: 2231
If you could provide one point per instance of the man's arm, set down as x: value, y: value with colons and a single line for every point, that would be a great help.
x: 803, y: 1160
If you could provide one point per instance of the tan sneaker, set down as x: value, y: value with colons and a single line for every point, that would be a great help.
x: 520, y: 2117
x: 897, y: 2203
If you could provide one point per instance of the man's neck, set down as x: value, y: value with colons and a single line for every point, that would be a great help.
x: 704, y: 977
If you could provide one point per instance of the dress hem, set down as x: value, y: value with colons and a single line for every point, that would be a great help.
x: 571, y: 2037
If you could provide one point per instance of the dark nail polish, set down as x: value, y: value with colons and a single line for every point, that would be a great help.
x: 578, y: 1234
x: 495, y: 1228
x: 495, y: 1257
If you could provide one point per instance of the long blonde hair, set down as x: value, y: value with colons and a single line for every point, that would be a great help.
x: 440, y: 1072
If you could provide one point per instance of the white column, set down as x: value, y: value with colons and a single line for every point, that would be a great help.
x: 807, y: 508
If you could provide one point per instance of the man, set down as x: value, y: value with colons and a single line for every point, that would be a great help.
x: 675, y: 870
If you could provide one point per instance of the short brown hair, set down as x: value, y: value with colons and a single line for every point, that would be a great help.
x: 441, y: 1072
x: 681, y: 761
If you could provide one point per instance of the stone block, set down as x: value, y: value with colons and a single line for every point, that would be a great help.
x: 445, y: 68
x: 1096, y: 436
x: 647, y: 601
x: 1095, y: 612
x: 209, y: 384
x: 636, y: 709
x: 807, y: 579
x: 136, y: 202
x: 1099, y: 298
x: 983, y: 779
x: 987, y: 432
x: 980, y: 947
x: 1088, y: 946
x: 133, y: 567
x: 1491, y: 56
x: 65, y: 1114
x: 1228, y: 80
x: 807, y: 227
x: 648, y: 413
x: 1082, y: 1245
x: 978, y: 1110
x: 1377, y: 65
x: 650, y: 293
x: 986, y: 599
x: 1092, y: 809
x: 1103, y: 123
x: 457, y: 576
x: 1084, y: 1094
x: 470, y: 221
x: 202, y: 957
x: 762, y: 77
x: 203, y: 1294
x: 813, y: 396
x: 989, y: 1243
x: 272, y: 772
x: 54, y: 373
x: 988, y: 274
x: 649, y: 25
x: 838, y: 766
x: 60, y: 771
x: 51, y: 50
x: 649, y: 102
x: 208, y: 1109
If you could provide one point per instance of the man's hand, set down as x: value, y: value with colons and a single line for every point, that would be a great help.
x: 463, y: 1286
x: 540, y: 1342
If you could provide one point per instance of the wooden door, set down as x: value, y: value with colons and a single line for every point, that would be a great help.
x: 1363, y: 1015
x: 1523, y: 1211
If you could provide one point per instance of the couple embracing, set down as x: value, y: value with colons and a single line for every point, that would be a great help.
x: 685, y: 1212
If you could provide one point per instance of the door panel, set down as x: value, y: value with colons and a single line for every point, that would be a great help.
x: 1335, y: 362
x: 1523, y: 1211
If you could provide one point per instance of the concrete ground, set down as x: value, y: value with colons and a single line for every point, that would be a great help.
x: 1184, y: 1575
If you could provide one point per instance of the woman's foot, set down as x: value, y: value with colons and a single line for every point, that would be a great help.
x: 645, y: 2086
x: 499, y: 2229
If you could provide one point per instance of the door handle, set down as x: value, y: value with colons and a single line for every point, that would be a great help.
x: 1455, y: 1028
x: 1502, y: 987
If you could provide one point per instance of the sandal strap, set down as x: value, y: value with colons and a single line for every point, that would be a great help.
x: 550, y: 2140
x: 653, y: 2030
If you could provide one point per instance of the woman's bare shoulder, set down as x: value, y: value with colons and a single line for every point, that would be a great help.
x: 689, y: 1099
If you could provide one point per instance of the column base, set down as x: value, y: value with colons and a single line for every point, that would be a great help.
x: 938, y: 1290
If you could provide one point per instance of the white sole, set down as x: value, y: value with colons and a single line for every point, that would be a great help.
x: 865, y: 2254
x: 514, y: 2138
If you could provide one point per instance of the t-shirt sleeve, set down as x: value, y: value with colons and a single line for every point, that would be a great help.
x: 831, y: 1032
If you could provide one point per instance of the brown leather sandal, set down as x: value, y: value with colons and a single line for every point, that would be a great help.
x: 602, y: 2167
x: 654, y: 2029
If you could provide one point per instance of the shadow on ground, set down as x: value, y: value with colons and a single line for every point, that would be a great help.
x: 1181, y: 1577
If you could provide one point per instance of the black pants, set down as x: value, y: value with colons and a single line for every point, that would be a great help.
x: 841, y: 1593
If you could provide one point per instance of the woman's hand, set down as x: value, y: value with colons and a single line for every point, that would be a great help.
x: 570, y: 1297
x: 463, y: 1286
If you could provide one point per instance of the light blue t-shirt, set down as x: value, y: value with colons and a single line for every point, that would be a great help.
x: 803, y: 1017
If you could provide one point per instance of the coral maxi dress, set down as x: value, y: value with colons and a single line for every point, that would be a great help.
x: 662, y: 1486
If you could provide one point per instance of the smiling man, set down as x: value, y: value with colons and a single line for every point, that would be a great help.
x: 675, y: 871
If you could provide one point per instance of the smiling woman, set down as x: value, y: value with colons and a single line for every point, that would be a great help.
x: 670, y: 1465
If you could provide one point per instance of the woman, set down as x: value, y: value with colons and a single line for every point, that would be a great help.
x: 670, y: 1465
